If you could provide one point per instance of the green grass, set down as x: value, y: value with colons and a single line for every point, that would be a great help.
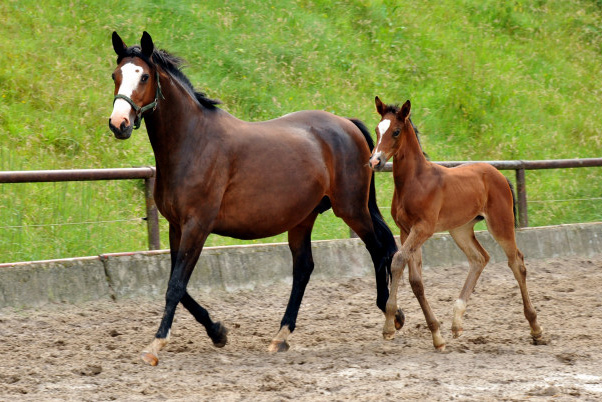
x: 487, y: 80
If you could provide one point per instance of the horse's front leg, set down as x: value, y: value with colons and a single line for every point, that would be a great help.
x: 412, y: 249
x: 191, y: 243
x: 216, y: 331
x: 411, y: 254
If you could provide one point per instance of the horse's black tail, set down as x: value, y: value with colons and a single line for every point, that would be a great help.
x: 513, y: 202
x: 383, y: 233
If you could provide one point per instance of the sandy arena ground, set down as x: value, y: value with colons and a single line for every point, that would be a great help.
x: 90, y: 352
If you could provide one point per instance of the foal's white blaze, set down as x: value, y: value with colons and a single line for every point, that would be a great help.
x: 383, y: 126
x: 131, y: 74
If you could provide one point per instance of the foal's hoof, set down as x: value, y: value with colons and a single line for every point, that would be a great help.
x: 538, y: 339
x: 149, y: 358
x: 219, y: 335
x: 457, y: 332
x: 278, y: 346
x: 388, y: 336
x: 400, y: 319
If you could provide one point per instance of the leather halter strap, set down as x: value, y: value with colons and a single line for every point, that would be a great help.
x: 140, y: 110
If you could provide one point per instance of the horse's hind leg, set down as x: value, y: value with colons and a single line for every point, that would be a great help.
x: 477, y: 259
x: 299, y: 240
x: 516, y: 262
x: 504, y: 235
x: 362, y: 225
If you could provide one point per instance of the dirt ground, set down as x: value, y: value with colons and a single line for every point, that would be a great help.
x: 90, y: 351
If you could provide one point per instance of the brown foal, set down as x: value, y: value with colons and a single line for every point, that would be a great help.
x: 430, y: 198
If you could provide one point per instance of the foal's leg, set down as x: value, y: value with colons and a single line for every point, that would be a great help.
x: 477, y: 259
x: 516, y: 262
x: 397, y: 266
x: 299, y: 241
x: 410, y: 252
x: 189, y: 250
x: 504, y: 235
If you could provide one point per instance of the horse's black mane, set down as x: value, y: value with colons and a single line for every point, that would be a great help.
x: 172, y: 65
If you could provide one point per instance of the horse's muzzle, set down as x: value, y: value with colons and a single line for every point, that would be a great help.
x: 123, y: 132
x: 377, y: 162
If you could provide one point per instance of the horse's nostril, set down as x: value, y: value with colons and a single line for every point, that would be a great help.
x: 123, y: 125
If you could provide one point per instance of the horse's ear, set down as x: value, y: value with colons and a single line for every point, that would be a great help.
x: 404, y: 112
x: 380, y: 107
x: 146, y: 43
x: 118, y: 45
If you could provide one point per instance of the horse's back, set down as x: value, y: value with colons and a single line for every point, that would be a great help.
x: 281, y: 169
x: 468, y: 191
x: 330, y: 128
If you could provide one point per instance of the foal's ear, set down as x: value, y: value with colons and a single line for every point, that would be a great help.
x: 146, y: 43
x: 118, y: 45
x: 380, y: 107
x: 404, y: 112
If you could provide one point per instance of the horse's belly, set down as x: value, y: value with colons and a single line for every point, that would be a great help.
x: 247, y: 226
x: 259, y: 216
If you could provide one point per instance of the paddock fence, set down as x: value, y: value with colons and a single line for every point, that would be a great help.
x: 148, y: 175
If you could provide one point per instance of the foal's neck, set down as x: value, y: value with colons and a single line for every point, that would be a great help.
x: 409, y: 160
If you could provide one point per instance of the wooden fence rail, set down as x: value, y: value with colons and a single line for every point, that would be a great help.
x: 145, y: 173
x: 148, y: 175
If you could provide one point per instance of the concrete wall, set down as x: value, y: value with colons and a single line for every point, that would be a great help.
x: 125, y: 275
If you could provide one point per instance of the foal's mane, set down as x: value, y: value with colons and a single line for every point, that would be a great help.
x: 171, y: 65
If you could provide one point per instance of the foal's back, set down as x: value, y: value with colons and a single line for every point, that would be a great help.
x: 472, y: 191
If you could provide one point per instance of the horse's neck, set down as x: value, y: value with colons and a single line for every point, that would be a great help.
x: 168, y: 127
x: 410, y: 160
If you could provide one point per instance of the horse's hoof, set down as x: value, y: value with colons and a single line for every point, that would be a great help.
x: 149, y: 358
x: 440, y: 348
x: 457, y: 332
x: 219, y: 335
x: 278, y: 346
x: 389, y: 336
x: 538, y: 339
x: 400, y: 319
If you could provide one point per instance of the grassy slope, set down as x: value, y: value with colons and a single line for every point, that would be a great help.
x: 487, y: 80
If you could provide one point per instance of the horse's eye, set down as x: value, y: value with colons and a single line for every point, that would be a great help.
x: 396, y: 133
x: 113, y: 76
x: 144, y: 78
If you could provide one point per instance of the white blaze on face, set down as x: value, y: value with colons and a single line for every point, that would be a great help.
x: 131, y: 74
x: 383, y: 126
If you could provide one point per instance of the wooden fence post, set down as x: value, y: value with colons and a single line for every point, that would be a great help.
x: 521, y: 190
x: 152, y: 215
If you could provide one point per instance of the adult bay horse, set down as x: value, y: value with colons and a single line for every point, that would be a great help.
x: 429, y: 198
x: 219, y: 174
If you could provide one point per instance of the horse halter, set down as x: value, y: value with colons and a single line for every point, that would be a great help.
x: 140, y: 110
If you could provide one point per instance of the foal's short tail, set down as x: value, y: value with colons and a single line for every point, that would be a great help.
x: 383, y: 233
x: 513, y: 202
